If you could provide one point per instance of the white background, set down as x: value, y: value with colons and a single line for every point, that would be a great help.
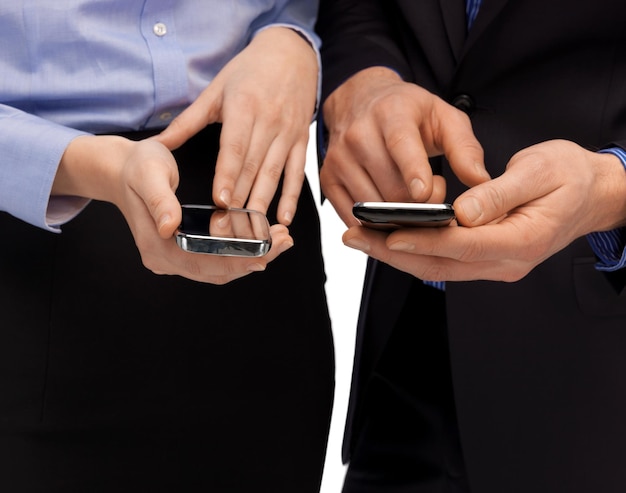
x: 345, y: 268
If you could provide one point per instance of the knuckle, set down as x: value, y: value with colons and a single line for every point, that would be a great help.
x: 250, y: 168
x: 355, y: 135
x: 245, y: 98
x: 496, y: 198
x: 238, y: 201
x: 154, y: 200
x: 434, y: 272
x: 472, y: 251
x: 260, y: 204
x: 389, y: 102
x: 237, y: 149
x: 398, y: 193
x: 273, y: 171
x: 397, y: 137
x: 191, y: 268
x: 275, y: 119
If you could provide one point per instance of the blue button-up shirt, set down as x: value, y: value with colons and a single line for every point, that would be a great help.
x: 74, y: 66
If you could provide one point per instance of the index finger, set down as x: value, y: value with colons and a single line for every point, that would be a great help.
x: 457, y: 141
x: 405, y: 146
x: 507, y: 240
x: 450, y: 253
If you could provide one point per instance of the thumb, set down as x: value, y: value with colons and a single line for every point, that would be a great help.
x: 167, y: 215
x: 491, y: 200
x: 156, y: 192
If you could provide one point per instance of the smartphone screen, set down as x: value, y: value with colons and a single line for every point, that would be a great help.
x: 392, y: 215
x: 232, y: 232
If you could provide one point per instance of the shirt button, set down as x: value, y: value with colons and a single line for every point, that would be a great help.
x: 159, y: 29
x: 166, y: 115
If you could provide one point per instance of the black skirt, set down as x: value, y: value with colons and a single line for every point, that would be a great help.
x: 115, y: 379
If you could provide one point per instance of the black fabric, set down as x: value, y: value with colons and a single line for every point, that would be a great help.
x: 408, y: 440
x: 116, y: 379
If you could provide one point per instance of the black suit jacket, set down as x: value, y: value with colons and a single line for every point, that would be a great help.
x: 539, y: 366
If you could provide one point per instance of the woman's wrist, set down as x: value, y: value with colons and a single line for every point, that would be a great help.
x: 91, y: 167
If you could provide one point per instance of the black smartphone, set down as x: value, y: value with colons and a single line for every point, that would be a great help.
x: 393, y: 215
x: 230, y: 232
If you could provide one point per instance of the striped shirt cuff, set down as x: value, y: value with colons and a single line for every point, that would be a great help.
x: 441, y: 285
x: 610, y: 246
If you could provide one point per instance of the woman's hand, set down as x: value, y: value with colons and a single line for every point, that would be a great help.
x: 140, y: 178
x: 265, y: 99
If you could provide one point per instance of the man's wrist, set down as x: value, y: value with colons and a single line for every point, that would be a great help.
x: 610, y: 246
x: 618, y: 182
x: 616, y: 151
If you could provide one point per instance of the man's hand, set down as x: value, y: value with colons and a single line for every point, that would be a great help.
x: 382, y: 131
x: 550, y: 194
x: 265, y: 99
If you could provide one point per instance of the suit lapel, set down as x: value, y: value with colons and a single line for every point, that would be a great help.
x: 455, y: 22
x: 439, y: 26
x: 453, y: 13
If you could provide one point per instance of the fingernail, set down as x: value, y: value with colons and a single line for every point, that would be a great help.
x: 417, y: 188
x: 225, y: 196
x: 402, y: 246
x: 358, y: 244
x: 256, y: 268
x: 287, y: 217
x: 471, y: 209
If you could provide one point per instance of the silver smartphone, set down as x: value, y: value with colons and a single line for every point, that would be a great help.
x: 230, y: 232
x: 393, y: 215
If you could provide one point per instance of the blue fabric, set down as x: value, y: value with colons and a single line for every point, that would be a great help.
x: 74, y: 66
x: 471, y: 9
